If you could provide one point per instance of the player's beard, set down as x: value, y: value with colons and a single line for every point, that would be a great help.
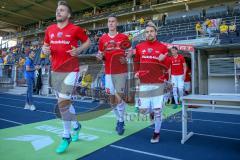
x: 63, y: 19
x: 150, y: 38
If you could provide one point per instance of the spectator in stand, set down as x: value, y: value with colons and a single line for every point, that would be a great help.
x: 129, y: 26
x: 20, y: 68
x: 130, y: 36
x: 9, y: 62
x: 232, y: 27
x: 96, y: 38
x: 1, y: 66
x: 141, y: 21
x: 223, y: 28
x: 86, y: 83
x: 198, y: 28
x: 208, y: 24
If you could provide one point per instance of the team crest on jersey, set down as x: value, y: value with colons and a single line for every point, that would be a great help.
x: 149, y: 50
x: 52, y: 36
x: 59, y: 34
x: 143, y: 51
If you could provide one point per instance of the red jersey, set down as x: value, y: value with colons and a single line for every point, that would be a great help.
x: 188, y: 75
x: 62, y: 40
x: 176, y: 64
x: 110, y: 48
x: 150, y: 69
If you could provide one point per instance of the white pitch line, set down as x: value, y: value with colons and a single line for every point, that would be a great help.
x: 24, y: 100
x: 24, y: 109
x: 11, y: 121
x: 146, y: 153
x: 39, y: 102
x: 202, y: 134
x: 225, y: 122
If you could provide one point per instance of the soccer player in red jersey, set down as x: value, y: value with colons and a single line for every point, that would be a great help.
x: 114, y: 57
x: 151, y: 67
x: 177, y: 74
x: 61, y: 42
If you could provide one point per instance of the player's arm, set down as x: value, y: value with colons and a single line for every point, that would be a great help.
x: 184, y: 67
x: 164, y: 55
x: 46, y: 47
x: 80, y: 35
x: 136, y: 61
x: 169, y: 73
x: 184, y: 70
x: 100, y: 54
x: 168, y: 64
x: 84, y: 46
x: 76, y: 51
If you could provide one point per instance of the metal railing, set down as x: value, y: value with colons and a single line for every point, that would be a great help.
x: 7, y: 76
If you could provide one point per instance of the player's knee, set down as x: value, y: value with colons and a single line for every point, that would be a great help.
x: 157, y: 112
x: 175, y: 91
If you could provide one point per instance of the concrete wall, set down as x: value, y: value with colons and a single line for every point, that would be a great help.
x: 221, y: 84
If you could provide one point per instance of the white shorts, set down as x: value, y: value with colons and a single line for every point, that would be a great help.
x: 64, y: 83
x: 152, y: 101
x: 187, y: 86
x: 115, y: 83
x: 177, y: 81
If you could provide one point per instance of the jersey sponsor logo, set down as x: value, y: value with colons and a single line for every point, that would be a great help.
x: 112, y: 45
x: 59, y: 34
x: 52, y: 36
x: 149, y: 57
x: 59, y: 42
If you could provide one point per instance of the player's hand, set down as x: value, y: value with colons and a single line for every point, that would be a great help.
x: 123, y: 60
x: 37, y: 67
x: 161, y: 57
x: 184, y: 76
x: 129, y: 53
x: 136, y: 75
x: 99, y: 56
x: 74, y: 52
x: 46, y: 49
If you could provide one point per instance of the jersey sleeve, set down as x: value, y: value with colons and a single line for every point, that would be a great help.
x: 136, y: 60
x: 81, y: 35
x: 46, y: 37
x: 167, y: 62
x: 165, y: 50
x: 100, y: 45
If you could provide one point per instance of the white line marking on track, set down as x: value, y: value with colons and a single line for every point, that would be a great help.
x: 146, y: 153
x: 24, y: 109
x: 40, y: 102
x: 15, y: 99
x: 11, y: 121
x: 201, y: 134
x: 225, y: 122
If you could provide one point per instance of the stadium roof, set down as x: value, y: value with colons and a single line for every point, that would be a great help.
x: 14, y: 13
